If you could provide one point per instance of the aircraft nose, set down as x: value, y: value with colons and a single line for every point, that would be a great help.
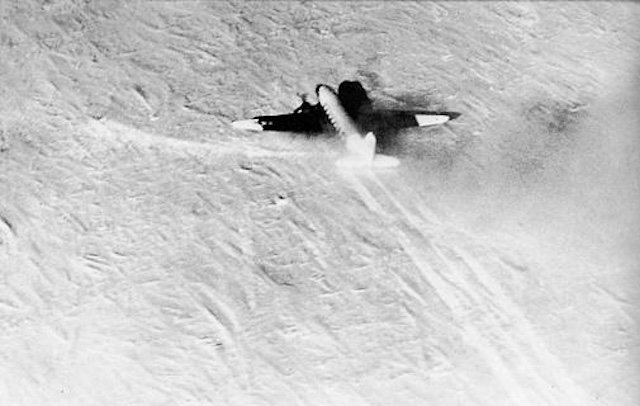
x: 453, y: 115
x: 319, y: 86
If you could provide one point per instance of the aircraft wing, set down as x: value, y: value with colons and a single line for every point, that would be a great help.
x: 356, y: 114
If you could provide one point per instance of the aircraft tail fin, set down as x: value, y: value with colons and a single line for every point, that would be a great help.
x: 361, y: 152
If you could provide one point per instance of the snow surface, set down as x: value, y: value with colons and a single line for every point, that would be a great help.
x: 150, y: 254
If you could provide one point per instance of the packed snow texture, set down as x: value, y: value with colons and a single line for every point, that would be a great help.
x: 150, y: 254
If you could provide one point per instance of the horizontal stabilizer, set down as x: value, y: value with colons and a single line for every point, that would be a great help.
x: 385, y: 161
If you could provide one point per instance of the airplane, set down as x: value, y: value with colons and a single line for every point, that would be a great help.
x: 350, y: 112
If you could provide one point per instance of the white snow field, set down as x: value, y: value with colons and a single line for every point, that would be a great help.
x: 150, y: 254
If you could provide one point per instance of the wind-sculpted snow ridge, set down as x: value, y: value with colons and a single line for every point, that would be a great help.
x: 151, y: 254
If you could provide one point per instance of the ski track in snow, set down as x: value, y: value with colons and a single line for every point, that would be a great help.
x: 151, y: 255
x: 444, y: 269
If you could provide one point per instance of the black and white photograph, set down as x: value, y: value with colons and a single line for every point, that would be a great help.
x: 319, y: 203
